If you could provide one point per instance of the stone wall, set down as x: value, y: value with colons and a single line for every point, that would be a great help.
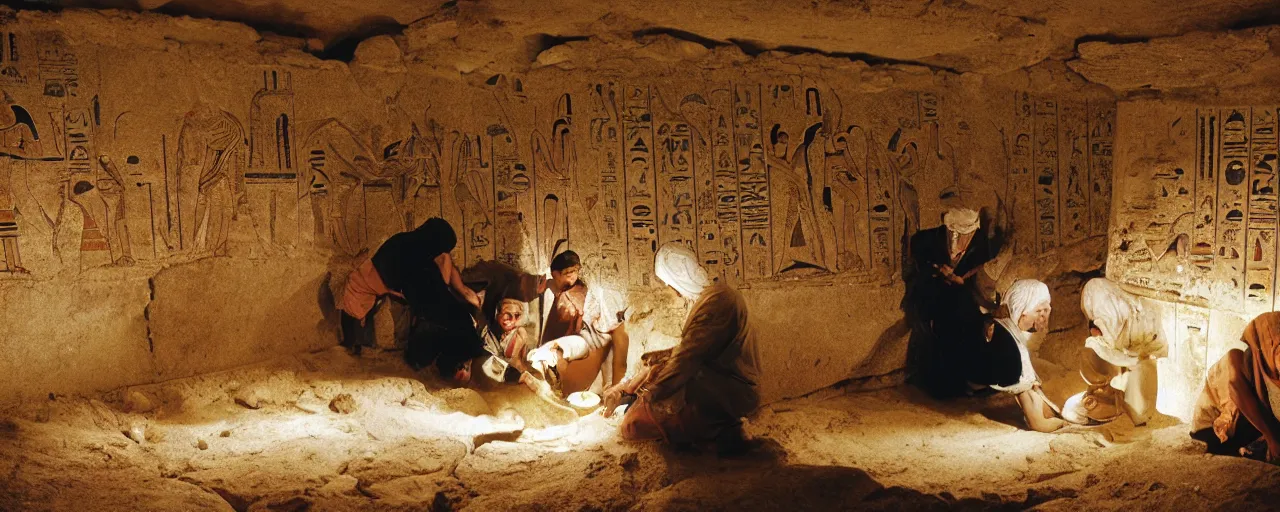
x: 1195, y: 226
x: 221, y: 183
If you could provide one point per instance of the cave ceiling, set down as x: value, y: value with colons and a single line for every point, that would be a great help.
x: 1183, y: 44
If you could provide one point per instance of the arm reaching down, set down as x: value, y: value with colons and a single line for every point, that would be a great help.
x: 714, y: 324
x: 453, y: 278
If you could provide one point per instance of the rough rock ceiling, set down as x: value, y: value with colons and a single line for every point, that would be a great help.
x: 988, y: 36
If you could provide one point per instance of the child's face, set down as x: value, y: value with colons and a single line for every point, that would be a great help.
x: 565, y: 279
x: 509, y: 317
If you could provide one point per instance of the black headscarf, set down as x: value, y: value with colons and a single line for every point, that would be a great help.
x: 406, y: 253
x: 435, y: 237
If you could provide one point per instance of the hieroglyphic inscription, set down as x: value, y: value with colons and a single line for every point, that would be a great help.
x: 271, y: 179
x: 1204, y: 231
x: 673, y: 165
x: 79, y: 141
x: 1074, y: 179
x: 642, y: 235
x: 753, y: 183
x: 883, y: 184
x: 60, y: 72
x: 1045, y: 157
x: 473, y: 193
x: 726, y: 185
x: 1022, y: 185
x: 697, y: 112
x: 604, y: 138
x: 1102, y: 115
x: 1233, y: 166
x: 11, y: 61
x: 554, y: 163
x: 513, y: 204
x: 1260, y: 247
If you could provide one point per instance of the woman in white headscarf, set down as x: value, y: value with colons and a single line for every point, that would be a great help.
x: 1124, y: 337
x: 1028, y: 304
x: 702, y: 388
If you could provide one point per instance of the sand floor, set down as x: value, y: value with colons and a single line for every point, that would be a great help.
x: 329, y: 432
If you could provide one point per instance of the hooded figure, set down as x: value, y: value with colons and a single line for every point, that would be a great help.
x: 444, y: 308
x: 1124, y: 337
x: 942, y: 300
x: 705, y: 386
x: 1023, y: 297
x: 396, y: 264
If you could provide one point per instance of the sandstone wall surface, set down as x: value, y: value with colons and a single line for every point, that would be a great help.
x: 220, y: 184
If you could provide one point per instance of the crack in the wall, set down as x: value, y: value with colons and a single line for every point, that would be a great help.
x: 146, y: 313
x: 681, y: 35
x: 754, y: 48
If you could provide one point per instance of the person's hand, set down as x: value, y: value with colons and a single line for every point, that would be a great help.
x: 949, y: 275
x: 1273, y: 451
x: 612, y: 398
x: 462, y: 376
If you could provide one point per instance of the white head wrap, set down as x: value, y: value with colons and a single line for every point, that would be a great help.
x: 677, y: 265
x: 961, y: 220
x: 1023, y: 296
x: 1109, y: 307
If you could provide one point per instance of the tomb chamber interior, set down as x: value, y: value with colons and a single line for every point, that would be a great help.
x: 193, y: 195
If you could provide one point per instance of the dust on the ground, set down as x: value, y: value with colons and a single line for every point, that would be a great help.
x: 330, y: 432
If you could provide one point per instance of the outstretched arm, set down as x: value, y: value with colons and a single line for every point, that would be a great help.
x: 453, y: 278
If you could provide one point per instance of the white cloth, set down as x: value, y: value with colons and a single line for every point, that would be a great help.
x: 1129, y: 333
x: 573, y: 346
x: 961, y: 220
x: 1022, y: 297
x: 677, y: 265
x: 603, y: 308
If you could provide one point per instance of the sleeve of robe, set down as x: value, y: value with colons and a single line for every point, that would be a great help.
x: 712, y: 326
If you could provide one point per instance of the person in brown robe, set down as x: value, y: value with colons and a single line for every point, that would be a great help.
x: 577, y: 334
x: 1243, y: 383
x: 700, y: 390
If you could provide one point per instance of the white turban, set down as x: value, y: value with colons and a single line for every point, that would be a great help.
x: 677, y: 265
x: 961, y: 220
x: 1127, y: 330
x: 1023, y: 296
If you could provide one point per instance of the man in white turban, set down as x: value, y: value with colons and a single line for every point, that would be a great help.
x: 941, y: 302
x: 1124, y: 338
x: 700, y: 390
x: 1009, y: 360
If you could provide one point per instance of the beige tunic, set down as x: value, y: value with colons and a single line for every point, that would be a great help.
x: 716, y: 366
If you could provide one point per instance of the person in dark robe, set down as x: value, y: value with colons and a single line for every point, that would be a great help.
x: 444, y: 309
x: 383, y: 278
x: 942, y: 304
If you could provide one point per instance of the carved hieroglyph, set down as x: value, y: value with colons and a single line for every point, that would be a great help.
x: 768, y: 177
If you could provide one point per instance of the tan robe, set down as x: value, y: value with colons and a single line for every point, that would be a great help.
x: 710, y: 380
x: 1215, y: 408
